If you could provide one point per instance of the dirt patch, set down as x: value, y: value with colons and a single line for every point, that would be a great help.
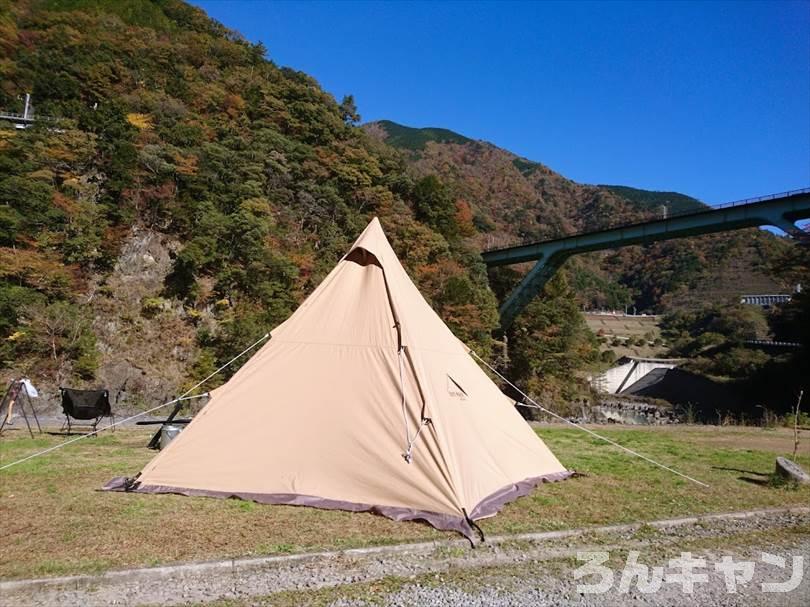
x: 775, y: 440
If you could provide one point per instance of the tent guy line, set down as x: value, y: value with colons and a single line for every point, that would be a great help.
x: 94, y: 432
x: 182, y: 397
x: 532, y: 404
x: 408, y: 453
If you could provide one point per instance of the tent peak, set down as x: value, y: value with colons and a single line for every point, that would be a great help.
x: 374, y: 225
x: 372, y: 239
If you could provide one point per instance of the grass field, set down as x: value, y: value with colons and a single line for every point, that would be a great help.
x: 56, y: 522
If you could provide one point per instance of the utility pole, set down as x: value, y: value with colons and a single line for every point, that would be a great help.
x: 796, y: 424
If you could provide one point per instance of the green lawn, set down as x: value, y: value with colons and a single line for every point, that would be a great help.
x: 56, y: 522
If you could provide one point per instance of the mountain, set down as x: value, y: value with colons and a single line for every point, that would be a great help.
x: 180, y: 194
x: 415, y: 139
x: 647, y: 200
x: 514, y: 199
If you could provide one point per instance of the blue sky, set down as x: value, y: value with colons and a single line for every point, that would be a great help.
x: 706, y: 98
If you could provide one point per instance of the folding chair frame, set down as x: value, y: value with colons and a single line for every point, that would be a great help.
x: 92, y: 424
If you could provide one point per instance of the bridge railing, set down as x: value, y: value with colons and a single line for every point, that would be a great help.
x: 14, y: 116
x: 620, y: 224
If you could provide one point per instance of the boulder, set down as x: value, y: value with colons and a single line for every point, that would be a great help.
x: 791, y: 471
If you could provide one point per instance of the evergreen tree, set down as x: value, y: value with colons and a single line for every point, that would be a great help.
x: 550, y: 342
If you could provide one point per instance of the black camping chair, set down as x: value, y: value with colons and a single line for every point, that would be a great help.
x: 87, y: 406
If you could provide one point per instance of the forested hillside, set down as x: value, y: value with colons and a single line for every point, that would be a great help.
x: 186, y: 196
x: 180, y: 194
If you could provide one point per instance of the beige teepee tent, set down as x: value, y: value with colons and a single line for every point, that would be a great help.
x: 362, y: 400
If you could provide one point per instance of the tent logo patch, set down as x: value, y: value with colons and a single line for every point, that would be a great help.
x: 455, y: 390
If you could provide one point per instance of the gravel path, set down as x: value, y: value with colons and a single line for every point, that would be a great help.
x: 533, y: 569
x: 517, y: 587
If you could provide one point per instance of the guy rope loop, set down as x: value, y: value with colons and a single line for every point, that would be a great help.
x: 534, y: 405
x: 407, y: 455
x: 182, y: 397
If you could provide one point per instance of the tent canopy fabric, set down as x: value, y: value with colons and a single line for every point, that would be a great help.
x: 363, y: 399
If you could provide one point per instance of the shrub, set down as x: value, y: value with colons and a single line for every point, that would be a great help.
x: 607, y: 356
x: 152, y: 306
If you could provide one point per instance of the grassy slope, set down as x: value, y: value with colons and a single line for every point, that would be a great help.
x: 411, y: 138
x: 56, y: 522
x: 625, y: 326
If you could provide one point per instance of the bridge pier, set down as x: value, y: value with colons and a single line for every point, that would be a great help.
x: 778, y: 220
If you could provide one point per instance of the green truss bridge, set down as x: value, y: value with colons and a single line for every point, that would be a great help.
x: 779, y: 210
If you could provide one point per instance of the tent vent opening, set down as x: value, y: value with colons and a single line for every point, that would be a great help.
x: 363, y: 257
